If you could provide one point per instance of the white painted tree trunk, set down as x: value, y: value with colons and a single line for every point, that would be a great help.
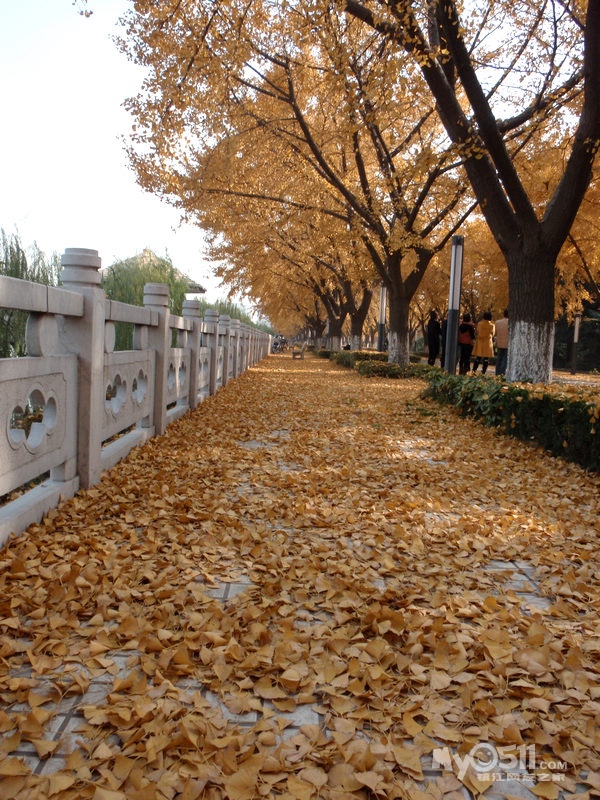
x: 398, y: 349
x: 356, y: 342
x: 530, y: 349
x: 335, y: 343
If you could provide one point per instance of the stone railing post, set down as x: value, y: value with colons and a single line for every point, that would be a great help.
x: 191, y: 310
x: 156, y: 297
x: 211, y: 337
x: 252, y: 348
x: 235, y: 326
x: 257, y: 346
x: 224, y: 339
x: 85, y: 337
x: 256, y: 349
x: 245, y: 347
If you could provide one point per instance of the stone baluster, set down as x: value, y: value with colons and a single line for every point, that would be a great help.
x: 224, y: 341
x: 191, y: 310
x: 211, y: 337
x: 246, y: 347
x: 235, y: 326
x: 85, y: 337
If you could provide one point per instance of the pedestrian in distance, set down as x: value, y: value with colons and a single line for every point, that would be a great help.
x: 434, y: 332
x: 466, y: 340
x: 502, y: 344
x: 484, y: 343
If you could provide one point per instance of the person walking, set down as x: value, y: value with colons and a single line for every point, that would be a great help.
x: 434, y: 331
x: 502, y: 344
x: 484, y: 343
x: 466, y: 339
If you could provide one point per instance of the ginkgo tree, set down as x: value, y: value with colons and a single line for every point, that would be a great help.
x: 502, y: 76
x: 300, y: 250
x: 320, y: 97
x: 330, y: 274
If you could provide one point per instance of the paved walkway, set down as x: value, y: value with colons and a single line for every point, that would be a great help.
x: 314, y: 586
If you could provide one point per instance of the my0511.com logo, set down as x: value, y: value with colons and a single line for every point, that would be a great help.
x: 498, y: 763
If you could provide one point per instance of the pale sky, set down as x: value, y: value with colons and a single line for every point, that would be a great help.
x: 64, y: 179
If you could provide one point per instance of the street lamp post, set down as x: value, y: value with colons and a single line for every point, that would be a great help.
x: 382, y: 311
x: 575, y: 343
x: 458, y: 243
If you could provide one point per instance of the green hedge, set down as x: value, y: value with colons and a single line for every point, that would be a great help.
x: 371, y: 355
x: 372, y: 364
x: 378, y: 369
x: 563, y: 421
x: 345, y: 358
x: 350, y: 358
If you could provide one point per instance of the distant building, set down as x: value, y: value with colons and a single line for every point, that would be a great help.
x: 194, y: 288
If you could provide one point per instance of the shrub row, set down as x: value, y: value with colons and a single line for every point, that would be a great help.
x: 563, y: 420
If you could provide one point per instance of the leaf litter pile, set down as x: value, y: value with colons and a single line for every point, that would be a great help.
x: 407, y: 583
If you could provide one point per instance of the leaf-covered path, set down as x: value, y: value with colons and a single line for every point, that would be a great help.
x: 313, y: 586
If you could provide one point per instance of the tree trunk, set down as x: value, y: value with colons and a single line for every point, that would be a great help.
x: 334, y: 338
x: 398, y: 342
x: 356, y: 330
x: 531, y: 315
x: 529, y: 345
x: 357, y: 314
x: 317, y: 328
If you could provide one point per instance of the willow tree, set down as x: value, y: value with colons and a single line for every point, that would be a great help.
x: 125, y: 280
x: 321, y: 95
x: 502, y: 75
x: 28, y: 265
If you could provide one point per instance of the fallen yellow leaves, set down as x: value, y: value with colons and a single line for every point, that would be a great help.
x: 278, y: 601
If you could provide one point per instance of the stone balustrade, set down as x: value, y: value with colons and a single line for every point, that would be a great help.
x: 75, y: 406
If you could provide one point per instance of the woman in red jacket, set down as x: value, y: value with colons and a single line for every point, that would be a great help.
x: 466, y: 339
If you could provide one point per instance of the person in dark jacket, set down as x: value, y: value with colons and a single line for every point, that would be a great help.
x: 501, y: 326
x: 444, y: 338
x: 434, y: 332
